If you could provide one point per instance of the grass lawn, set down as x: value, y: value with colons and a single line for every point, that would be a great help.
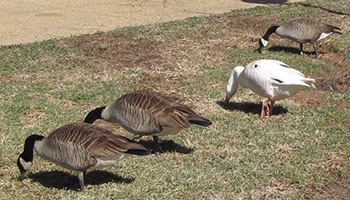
x: 301, y: 152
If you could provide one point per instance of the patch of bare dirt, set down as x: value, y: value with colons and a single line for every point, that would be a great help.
x: 337, y: 79
x: 173, y: 50
x: 120, y: 50
x: 205, y: 42
x: 165, y: 57
x: 340, y: 82
x: 335, y: 57
x: 312, y: 98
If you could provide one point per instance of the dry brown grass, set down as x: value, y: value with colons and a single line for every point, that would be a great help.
x: 298, y: 153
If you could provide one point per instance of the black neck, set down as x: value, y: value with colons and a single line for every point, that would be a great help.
x: 269, y: 31
x: 27, y: 154
x: 94, y: 115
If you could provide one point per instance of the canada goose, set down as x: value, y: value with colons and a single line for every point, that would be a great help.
x: 272, y: 79
x: 301, y: 30
x: 78, y: 147
x: 148, y: 113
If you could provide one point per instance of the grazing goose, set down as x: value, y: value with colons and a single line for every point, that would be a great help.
x: 301, y: 30
x: 78, y: 147
x: 272, y: 79
x: 148, y: 113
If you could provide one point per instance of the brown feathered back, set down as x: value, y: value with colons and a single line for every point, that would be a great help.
x: 149, y: 112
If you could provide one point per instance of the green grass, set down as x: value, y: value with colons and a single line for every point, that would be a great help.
x: 298, y: 153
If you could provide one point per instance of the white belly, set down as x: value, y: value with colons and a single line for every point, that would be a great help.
x: 103, y: 162
x: 167, y: 131
x: 323, y: 36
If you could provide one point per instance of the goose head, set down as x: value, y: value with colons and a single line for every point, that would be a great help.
x: 94, y: 115
x: 232, y: 85
x: 25, y: 159
x: 262, y: 44
x: 265, y: 39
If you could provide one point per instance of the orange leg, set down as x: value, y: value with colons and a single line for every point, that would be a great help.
x: 264, y: 110
x: 271, y: 104
x: 267, y: 107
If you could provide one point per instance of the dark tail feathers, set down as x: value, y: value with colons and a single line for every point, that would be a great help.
x: 137, y: 149
x: 337, y: 32
x: 335, y: 29
x: 193, y: 117
x: 200, y: 121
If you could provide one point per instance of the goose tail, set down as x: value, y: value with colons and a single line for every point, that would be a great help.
x: 336, y: 30
x: 308, y: 80
x: 193, y: 117
x: 137, y: 149
x: 200, y: 121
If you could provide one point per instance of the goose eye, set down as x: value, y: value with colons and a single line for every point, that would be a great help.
x: 255, y: 66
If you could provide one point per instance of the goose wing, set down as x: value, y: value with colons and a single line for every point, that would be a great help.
x: 179, y: 113
x: 91, y: 140
x: 280, y: 73
x: 146, y: 112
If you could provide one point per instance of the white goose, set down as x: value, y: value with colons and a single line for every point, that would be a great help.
x: 272, y: 79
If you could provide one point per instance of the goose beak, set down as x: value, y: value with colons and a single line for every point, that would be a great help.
x: 260, y: 50
x: 261, y: 47
x: 22, y: 176
x: 226, y: 100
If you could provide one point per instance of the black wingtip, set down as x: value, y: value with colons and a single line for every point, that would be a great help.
x: 337, y: 32
x: 202, y: 121
x: 261, y: 47
x: 137, y: 149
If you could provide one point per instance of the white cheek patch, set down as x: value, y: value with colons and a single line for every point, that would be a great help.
x: 264, y: 42
x: 106, y: 113
x: 26, y: 165
x: 323, y: 36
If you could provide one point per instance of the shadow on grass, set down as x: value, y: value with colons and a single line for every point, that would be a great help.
x: 266, y: 1
x: 249, y: 107
x: 326, y: 9
x: 64, y: 180
x: 167, y: 146
x: 290, y: 50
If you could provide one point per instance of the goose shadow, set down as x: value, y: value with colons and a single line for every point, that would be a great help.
x: 166, y: 146
x: 266, y: 1
x: 63, y: 180
x: 290, y: 50
x: 326, y: 9
x: 249, y: 107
